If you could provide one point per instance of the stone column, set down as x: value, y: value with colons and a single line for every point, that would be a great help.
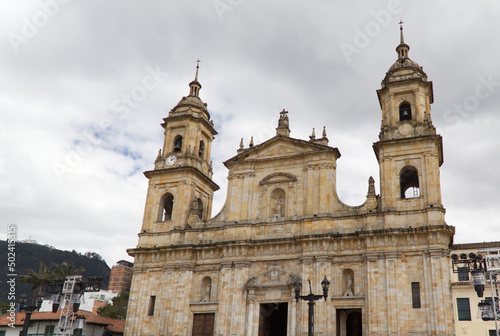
x: 293, y: 315
x: 303, y: 309
x: 250, y: 313
x: 323, y: 185
x: 372, y: 291
x: 240, y: 274
x: 309, y: 190
x: 245, y: 196
x: 183, y: 295
x: 225, y: 300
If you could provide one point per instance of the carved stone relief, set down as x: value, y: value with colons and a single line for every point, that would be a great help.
x: 274, y: 272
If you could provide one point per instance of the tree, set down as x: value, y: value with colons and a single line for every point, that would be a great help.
x: 38, y: 280
x: 118, y: 309
x: 93, y: 255
x: 62, y: 270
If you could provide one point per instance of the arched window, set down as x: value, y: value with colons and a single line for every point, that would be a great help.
x: 201, y: 150
x: 408, y: 181
x: 278, y: 203
x: 404, y: 111
x: 178, y: 144
x: 166, y: 207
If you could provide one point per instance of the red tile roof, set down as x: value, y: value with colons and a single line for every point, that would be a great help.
x: 111, y: 324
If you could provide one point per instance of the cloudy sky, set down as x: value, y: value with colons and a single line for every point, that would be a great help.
x: 85, y: 85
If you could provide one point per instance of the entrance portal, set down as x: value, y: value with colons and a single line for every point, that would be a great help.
x: 272, y: 319
x: 203, y: 324
x: 349, y: 322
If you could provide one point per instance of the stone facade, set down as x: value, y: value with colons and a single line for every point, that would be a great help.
x: 234, y: 274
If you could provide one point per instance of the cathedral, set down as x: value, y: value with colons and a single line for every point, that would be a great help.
x: 283, y: 229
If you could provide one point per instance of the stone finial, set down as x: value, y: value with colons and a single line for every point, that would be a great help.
x: 251, y: 142
x: 312, y: 137
x: 403, y: 48
x: 371, y: 187
x: 210, y: 170
x: 242, y: 147
x: 323, y: 140
x: 283, y: 124
x: 158, y: 157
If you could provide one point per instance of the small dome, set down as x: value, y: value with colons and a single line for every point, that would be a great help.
x: 404, y: 68
x: 404, y: 63
x: 191, y: 101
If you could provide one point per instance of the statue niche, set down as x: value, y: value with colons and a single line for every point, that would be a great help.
x: 278, y: 203
x: 348, y: 282
x: 206, y: 289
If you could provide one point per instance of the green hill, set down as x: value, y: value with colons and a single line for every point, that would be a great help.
x: 29, y: 256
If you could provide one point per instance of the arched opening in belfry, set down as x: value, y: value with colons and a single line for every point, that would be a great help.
x: 201, y: 150
x: 166, y: 207
x: 278, y: 203
x: 404, y: 111
x: 178, y: 143
x: 408, y: 181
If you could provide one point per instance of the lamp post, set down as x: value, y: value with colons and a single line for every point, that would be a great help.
x: 29, y: 309
x: 325, y: 284
x: 473, y: 264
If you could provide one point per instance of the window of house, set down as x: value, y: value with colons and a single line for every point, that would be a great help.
x: 49, y: 330
x: 415, y: 294
x: 463, y: 274
x: 463, y: 308
x: 152, y: 302
x: 2, y: 332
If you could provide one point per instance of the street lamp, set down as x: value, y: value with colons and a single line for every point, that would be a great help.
x: 486, y: 311
x: 29, y: 309
x: 325, y: 284
x: 475, y: 264
x: 79, y: 325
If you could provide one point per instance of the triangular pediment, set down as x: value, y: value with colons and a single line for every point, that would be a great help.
x: 280, y: 147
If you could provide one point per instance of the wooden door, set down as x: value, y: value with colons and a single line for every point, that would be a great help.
x: 203, y: 324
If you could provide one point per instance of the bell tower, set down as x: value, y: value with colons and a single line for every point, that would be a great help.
x: 409, y: 151
x: 181, y: 189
